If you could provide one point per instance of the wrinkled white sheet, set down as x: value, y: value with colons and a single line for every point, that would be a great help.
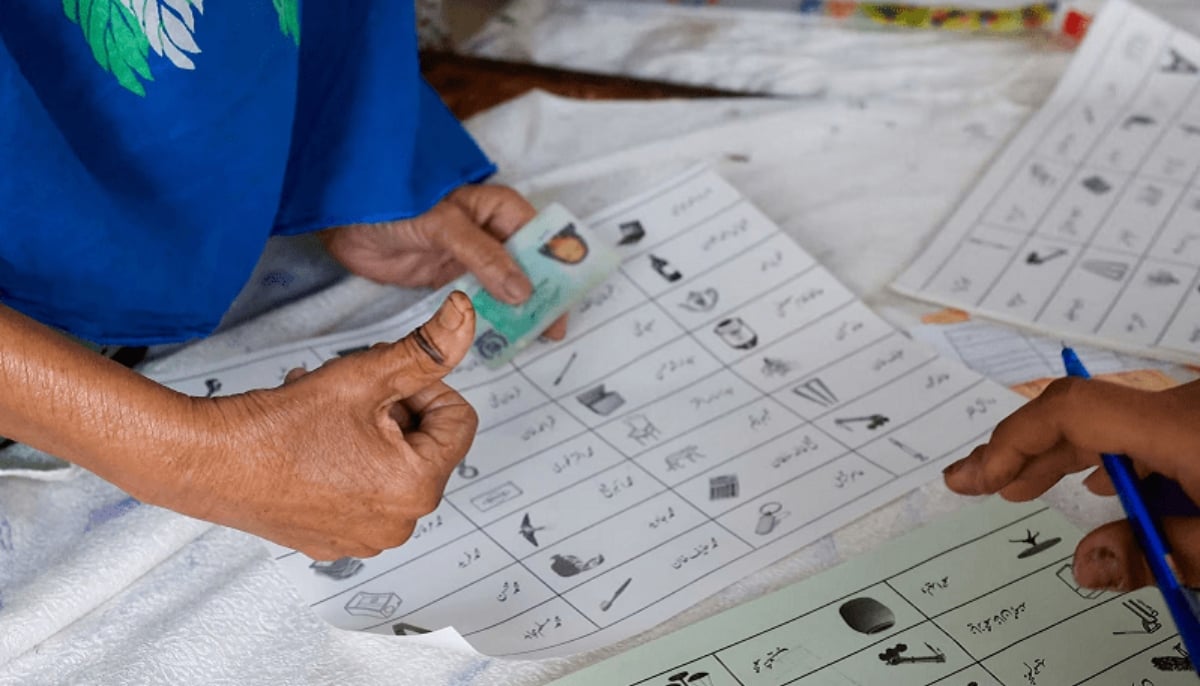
x: 97, y: 589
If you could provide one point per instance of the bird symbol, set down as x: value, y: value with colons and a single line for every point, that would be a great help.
x: 529, y: 531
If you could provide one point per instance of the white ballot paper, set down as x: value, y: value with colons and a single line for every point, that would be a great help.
x: 720, y: 402
x: 1088, y: 224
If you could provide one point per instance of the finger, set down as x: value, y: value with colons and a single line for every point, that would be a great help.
x: 482, y: 254
x: 422, y: 357
x: 1110, y: 557
x: 404, y: 419
x: 1093, y: 416
x: 446, y: 427
x: 1099, y: 484
x: 1043, y: 471
x: 558, y: 330
x: 498, y: 209
x: 294, y: 374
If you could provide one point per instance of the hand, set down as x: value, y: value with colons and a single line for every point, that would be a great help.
x: 464, y: 232
x: 340, y: 461
x: 1064, y: 431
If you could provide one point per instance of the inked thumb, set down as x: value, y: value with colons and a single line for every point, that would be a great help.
x: 433, y: 349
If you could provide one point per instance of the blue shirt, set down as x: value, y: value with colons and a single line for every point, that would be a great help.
x: 147, y: 158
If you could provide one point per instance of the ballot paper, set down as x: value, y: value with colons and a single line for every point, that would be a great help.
x: 720, y: 402
x: 985, y: 597
x: 1018, y: 358
x: 1088, y: 224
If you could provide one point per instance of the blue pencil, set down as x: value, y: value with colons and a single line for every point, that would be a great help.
x: 1149, y: 533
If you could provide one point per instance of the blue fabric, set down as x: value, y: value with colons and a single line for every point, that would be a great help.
x: 135, y: 218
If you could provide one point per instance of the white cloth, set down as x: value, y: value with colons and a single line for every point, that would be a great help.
x: 96, y: 589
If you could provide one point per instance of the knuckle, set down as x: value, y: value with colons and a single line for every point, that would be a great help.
x: 428, y: 501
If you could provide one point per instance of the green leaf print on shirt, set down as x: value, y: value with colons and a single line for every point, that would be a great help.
x: 116, y: 38
x: 289, y: 18
x: 121, y: 33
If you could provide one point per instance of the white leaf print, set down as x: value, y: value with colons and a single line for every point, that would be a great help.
x: 169, y: 25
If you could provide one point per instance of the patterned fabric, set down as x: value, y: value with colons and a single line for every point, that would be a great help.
x: 151, y: 147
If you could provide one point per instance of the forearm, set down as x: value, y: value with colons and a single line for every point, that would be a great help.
x: 70, y: 402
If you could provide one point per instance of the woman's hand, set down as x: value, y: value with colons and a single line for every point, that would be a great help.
x: 1064, y: 431
x: 338, y: 461
x: 464, y: 232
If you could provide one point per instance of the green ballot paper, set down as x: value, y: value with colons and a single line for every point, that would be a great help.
x: 563, y: 259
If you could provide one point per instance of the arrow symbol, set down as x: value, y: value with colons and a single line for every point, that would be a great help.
x: 1035, y: 258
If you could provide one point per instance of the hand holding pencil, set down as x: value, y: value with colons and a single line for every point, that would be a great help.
x: 1065, y: 430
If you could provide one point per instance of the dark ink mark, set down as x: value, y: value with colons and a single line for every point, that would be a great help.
x: 1034, y: 547
x: 466, y: 471
x: 109, y: 512
x: 213, y: 386
x: 867, y: 615
x: 351, y: 351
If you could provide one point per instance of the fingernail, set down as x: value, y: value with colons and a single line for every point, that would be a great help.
x: 450, y: 316
x: 1101, y: 569
x: 517, y: 288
